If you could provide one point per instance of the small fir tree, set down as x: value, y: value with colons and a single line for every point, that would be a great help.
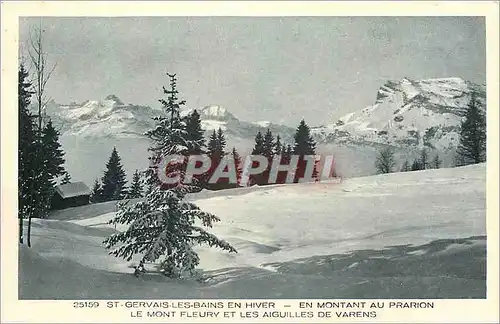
x: 95, y: 194
x: 385, y: 162
x: 406, y: 166
x: 195, y: 139
x: 424, y: 159
x: 114, y: 179
x: 278, y: 149
x: 136, y: 189
x: 436, y: 162
x: 304, y: 145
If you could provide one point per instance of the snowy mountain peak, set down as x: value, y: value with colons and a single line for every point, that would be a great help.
x: 408, y: 112
x: 263, y: 123
x: 114, y: 98
x: 214, y: 111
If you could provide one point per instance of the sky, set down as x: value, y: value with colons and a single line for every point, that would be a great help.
x: 259, y: 68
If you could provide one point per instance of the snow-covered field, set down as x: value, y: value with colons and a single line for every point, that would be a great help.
x: 404, y: 235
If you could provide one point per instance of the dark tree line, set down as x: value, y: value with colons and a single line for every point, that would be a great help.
x: 281, y: 154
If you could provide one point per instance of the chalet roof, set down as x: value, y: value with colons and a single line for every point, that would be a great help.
x: 73, y: 189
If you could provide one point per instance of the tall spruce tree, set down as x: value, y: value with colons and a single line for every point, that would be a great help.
x: 170, y: 137
x: 114, y: 180
x: 54, y: 155
x: 196, y: 141
x: 385, y: 162
x: 472, y: 146
x: 164, y: 227
x: 304, y: 145
x: 136, y: 189
x: 26, y: 152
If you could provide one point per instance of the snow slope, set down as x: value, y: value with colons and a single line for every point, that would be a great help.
x: 423, y: 235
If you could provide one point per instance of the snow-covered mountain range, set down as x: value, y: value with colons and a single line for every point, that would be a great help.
x: 406, y: 114
x: 110, y: 117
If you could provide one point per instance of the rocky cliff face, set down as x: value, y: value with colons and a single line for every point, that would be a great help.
x: 408, y: 113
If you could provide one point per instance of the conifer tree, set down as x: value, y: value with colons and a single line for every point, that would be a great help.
x: 385, y: 162
x: 237, y: 163
x: 406, y: 166
x: 416, y: 165
x: 164, y: 227
x: 472, y: 146
x: 114, y: 179
x: 170, y: 137
x: 196, y: 143
x: 258, y: 149
x: 277, y: 146
x: 268, y: 151
x: 216, y: 152
x: 285, y: 157
x: 53, y: 153
x: 221, y: 142
x: 212, y: 146
x: 424, y: 159
x: 26, y: 152
x: 136, y: 186
x: 436, y: 162
x: 304, y: 145
x: 52, y: 161
x: 95, y: 194
x: 268, y: 144
x: 259, y: 144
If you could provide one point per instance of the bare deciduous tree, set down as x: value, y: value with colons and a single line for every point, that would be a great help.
x: 41, y: 73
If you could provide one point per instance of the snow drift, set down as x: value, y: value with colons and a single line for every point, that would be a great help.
x: 405, y: 235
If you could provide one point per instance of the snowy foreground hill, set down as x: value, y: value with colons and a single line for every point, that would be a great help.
x: 404, y: 235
